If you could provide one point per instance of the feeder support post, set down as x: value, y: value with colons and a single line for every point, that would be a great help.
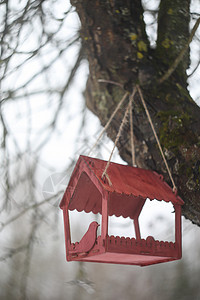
x: 67, y: 229
x: 104, y: 228
x: 137, y: 229
x: 178, y: 239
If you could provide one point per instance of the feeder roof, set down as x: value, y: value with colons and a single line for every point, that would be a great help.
x: 128, y: 187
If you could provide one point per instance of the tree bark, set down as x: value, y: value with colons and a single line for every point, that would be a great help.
x: 114, y: 37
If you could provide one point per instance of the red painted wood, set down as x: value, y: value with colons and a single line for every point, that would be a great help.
x: 125, y: 180
x: 178, y: 235
x: 125, y: 197
x: 88, y: 240
x: 137, y: 229
x: 126, y: 259
x: 104, y: 227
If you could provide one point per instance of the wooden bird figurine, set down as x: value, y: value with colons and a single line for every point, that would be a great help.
x: 88, y: 240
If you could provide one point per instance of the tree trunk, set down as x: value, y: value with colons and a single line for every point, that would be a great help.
x: 114, y: 37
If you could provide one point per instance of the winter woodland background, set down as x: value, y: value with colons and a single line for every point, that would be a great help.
x: 45, y: 125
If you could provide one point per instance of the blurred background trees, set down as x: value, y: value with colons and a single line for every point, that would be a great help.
x: 45, y: 125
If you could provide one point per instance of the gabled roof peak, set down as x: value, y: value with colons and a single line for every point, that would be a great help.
x: 128, y: 184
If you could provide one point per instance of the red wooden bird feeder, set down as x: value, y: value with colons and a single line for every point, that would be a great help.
x: 122, y: 193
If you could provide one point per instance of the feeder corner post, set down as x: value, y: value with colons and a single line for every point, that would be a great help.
x: 104, y: 228
x: 178, y: 230
x: 137, y: 228
x: 67, y: 230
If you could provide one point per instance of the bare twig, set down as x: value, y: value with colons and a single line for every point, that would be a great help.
x: 111, y: 82
x: 11, y: 252
x: 68, y: 82
x: 20, y: 214
x: 180, y: 57
x: 27, y: 260
x: 192, y: 73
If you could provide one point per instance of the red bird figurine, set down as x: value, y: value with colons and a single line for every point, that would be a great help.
x: 88, y: 240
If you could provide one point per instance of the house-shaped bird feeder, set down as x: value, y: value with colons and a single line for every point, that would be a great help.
x: 122, y: 193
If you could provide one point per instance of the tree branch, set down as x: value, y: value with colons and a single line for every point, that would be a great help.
x: 180, y: 57
x: 33, y: 206
x: 114, y: 56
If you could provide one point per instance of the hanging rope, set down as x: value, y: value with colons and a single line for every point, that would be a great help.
x: 119, y: 132
x: 109, y: 121
x: 129, y: 109
x: 132, y: 136
x: 156, y: 137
